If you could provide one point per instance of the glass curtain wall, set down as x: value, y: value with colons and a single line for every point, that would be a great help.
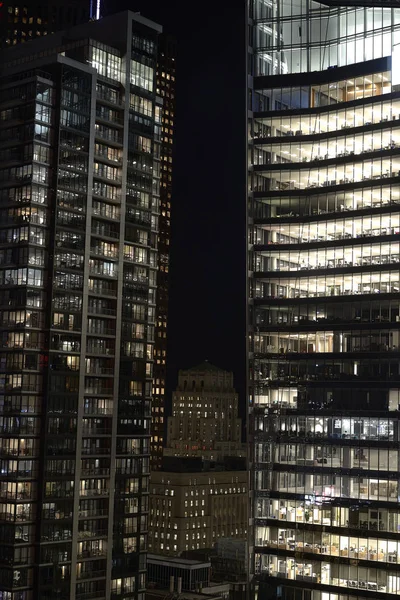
x: 305, y: 35
x: 324, y: 308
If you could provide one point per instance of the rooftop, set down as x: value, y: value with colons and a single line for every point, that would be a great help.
x: 196, y: 464
x: 110, y: 31
x: 183, y: 563
x: 162, y: 593
x: 205, y: 366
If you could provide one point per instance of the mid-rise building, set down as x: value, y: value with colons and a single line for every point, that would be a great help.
x: 80, y: 128
x: 229, y: 562
x: 324, y: 306
x: 204, y: 419
x: 192, y: 509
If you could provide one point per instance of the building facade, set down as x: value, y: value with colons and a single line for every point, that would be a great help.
x: 204, y: 419
x: 80, y: 128
x: 192, y: 510
x: 166, y: 72
x: 38, y: 18
x: 324, y: 304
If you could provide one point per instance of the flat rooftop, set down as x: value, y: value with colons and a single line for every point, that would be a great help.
x: 178, y: 562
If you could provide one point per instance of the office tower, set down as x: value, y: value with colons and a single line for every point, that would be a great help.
x: 193, y: 505
x: 324, y: 202
x: 80, y: 132
x: 35, y: 18
x: 204, y: 419
x: 166, y: 90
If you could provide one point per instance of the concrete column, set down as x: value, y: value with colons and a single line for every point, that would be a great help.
x: 395, y: 339
x: 347, y: 463
x: 309, y: 482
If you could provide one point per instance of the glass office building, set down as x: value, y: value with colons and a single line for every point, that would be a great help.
x: 80, y: 128
x: 324, y: 299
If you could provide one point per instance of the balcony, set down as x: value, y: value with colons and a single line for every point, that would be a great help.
x: 100, y: 595
x: 59, y: 451
x: 92, y: 349
x: 20, y: 430
x: 101, y: 512
x: 73, y: 222
x: 111, y: 136
x: 59, y: 493
x: 92, y: 553
x: 84, y: 535
x: 95, y: 451
x: 96, y: 410
x: 72, y: 266
x: 94, y: 431
x: 102, y: 289
x: 139, y: 217
x: 95, y: 471
x: 62, y: 284
x: 91, y: 575
x: 70, y: 245
x: 104, y: 115
x: 57, y: 474
x: 108, y: 177
x: 94, y: 493
x: 25, y: 387
x: 111, y: 96
x: 57, y: 536
x: 102, y: 272
x: 100, y: 371
x: 99, y: 390
x: 100, y: 310
x: 135, y: 258
x: 101, y: 331
x: 22, y: 516
x: 104, y: 154
x: 97, y: 251
x: 106, y: 213
x: 16, y: 496
x: 105, y: 232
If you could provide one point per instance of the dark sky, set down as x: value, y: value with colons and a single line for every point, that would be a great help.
x: 207, y: 298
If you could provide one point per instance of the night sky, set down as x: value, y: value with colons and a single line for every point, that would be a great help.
x: 208, y: 285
